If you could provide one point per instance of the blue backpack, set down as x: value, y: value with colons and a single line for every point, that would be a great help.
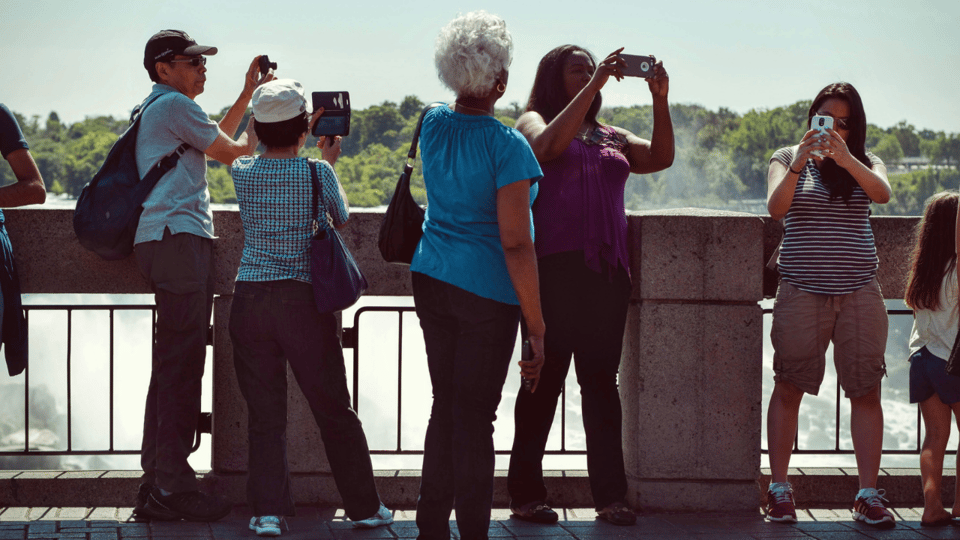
x: 108, y: 210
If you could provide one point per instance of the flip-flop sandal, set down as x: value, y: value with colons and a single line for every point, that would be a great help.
x: 942, y: 522
x: 617, y: 514
x: 536, y: 512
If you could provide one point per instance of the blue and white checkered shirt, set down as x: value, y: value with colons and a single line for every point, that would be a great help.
x: 276, y: 203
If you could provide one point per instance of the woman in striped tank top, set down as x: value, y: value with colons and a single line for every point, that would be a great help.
x: 822, y: 189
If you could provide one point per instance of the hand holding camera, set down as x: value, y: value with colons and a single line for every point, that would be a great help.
x: 647, y: 67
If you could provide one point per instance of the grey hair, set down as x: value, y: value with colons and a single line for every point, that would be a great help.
x: 471, y: 53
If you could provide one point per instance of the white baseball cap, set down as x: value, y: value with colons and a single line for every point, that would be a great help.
x: 279, y: 100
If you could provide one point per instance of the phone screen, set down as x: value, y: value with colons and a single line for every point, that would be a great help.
x: 336, y: 113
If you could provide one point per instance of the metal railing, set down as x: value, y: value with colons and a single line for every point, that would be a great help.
x: 351, y: 339
x: 204, y: 424
x: 837, y: 450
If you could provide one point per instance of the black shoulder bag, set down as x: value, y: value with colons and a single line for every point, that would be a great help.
x: 402, y: 225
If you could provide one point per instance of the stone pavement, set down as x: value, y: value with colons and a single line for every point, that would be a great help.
x: 329, y: 524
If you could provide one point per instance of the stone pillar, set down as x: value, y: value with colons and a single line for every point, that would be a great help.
x: 691, y: 374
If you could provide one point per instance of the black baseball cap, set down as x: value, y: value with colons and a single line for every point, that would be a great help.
x: 165, y: 44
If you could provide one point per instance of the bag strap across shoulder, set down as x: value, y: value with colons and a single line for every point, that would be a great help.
x: 412, y: 154
x: 317, y: 194
x: 167, y: 162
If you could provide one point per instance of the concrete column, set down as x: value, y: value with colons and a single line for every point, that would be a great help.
x: 690, y: 376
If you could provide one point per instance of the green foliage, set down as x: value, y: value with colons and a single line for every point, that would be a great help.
x: 888, y: 149
x: 721, y: 156
x: 221, y: 185
x: 911, y: 190
x: 84, y: 156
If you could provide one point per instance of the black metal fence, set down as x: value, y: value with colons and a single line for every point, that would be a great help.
x: 350, y: 341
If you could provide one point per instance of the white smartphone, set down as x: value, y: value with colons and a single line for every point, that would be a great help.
x: 820, y: 123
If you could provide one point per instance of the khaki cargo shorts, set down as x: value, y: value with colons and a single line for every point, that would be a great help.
x: 805, y: 323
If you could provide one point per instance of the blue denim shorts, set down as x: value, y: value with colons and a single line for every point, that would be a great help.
x: 927, y: 377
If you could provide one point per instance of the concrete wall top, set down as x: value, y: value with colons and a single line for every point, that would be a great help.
x: 733, y: 246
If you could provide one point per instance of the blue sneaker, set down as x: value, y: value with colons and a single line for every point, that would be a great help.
x: 382, y: 517
x: 266, y: 525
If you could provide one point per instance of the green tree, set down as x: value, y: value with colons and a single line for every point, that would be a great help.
x: 907, y: 136
x: 84, y: 156
x: 221, y: 185
x: 411, y: 106
x: 889, y: 149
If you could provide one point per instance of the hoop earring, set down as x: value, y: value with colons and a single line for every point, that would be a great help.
x: 501, y: 88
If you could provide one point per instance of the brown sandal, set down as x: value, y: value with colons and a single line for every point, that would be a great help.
x: 618, y: 514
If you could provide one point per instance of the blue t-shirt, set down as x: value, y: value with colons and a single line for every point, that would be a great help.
x: 181, y: 200
x: 466, y: 159
x: 11, y: 138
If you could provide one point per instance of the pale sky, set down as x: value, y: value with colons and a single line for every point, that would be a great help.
x: 85, y: 58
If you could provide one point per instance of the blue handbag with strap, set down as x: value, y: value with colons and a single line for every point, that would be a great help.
x: 337, y: 280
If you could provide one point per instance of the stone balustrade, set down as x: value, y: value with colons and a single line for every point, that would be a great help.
x: 690, y: 376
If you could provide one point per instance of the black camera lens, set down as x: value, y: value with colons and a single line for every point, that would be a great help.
x: 821, y: 121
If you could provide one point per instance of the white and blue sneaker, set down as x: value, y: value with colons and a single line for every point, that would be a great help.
x: 266, y: 525
x: 382, y: 517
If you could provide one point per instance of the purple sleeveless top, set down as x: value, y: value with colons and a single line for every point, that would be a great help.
x: 580, y: 204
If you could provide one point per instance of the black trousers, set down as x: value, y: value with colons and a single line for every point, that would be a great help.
x: 585, y: 313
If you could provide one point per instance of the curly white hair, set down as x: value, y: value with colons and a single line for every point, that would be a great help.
x: 471, y: 53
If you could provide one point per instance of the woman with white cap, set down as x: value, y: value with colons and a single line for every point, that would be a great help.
x: 274, y: 319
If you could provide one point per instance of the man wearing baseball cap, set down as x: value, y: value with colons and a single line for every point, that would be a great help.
x: 174, y: 250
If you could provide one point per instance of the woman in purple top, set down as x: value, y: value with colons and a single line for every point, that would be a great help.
x: 581, y: 243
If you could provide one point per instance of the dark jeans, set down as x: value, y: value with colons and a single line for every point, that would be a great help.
x: 180, y: 270
x: 272, y: 323
x: 469, y: 342
x: 585, y: 314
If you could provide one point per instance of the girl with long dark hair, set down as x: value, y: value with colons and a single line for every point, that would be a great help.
x: 822, y: 188
x: 932, y: 293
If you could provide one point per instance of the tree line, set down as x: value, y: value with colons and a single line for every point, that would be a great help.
x: 722, y: 156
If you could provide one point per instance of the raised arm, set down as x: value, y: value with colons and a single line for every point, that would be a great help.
x: 782, y: 180
x: 872, y: 179
x: 550, y: 140
x: 513, y: 217
x: 225, y: 149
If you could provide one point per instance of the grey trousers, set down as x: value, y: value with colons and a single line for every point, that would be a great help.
x: 180, y: 270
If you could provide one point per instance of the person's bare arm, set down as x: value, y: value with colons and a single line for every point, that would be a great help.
x: 29, y: 188
x: 225, y: 149
x: 548, y: 141
x: 513, y: 217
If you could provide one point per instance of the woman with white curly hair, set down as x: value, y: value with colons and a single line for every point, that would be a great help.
x: 474, y: 272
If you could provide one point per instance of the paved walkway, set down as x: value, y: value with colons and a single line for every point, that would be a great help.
x: 314, y: 524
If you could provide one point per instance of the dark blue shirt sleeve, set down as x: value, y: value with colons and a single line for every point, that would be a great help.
x: 11, y: 138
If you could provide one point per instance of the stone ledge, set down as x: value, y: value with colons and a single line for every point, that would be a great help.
x: 398, y: 488
x: 837, y: 487
x: 813, y: 488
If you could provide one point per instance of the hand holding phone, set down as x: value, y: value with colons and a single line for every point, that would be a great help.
x: 820, y: 123
x: 335, y: 118
x: 526, y: 355
x: 638, y: 66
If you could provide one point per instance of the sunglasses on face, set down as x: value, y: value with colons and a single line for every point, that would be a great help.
x: 196, y: 61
